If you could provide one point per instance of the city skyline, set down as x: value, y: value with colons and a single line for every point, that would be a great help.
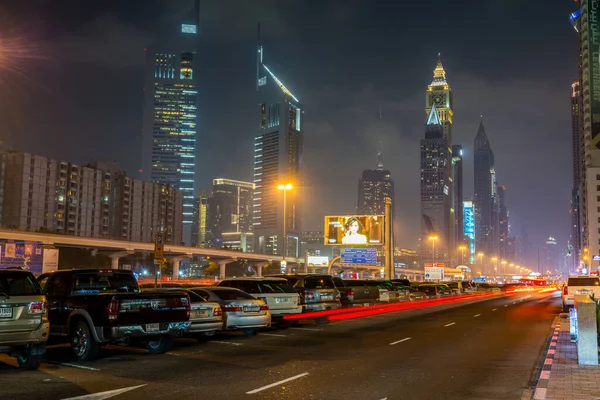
x: 351, y: 142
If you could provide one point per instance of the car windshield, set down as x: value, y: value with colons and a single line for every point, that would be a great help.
x: 105, y: 281
x: 232, y: 294
x: 266, y: 286
x: 318, y: 282
x: 584, y: 282
x: 19, y: 284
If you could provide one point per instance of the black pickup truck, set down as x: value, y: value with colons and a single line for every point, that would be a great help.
x: 91, y: 308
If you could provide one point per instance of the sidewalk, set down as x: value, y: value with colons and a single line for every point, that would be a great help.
x: 561, y: 377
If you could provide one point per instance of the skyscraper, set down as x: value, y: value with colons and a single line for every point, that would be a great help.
x: 277, y: 160
x: 485, y: 193
x: 440, y: 95
x: 437, y: 229
x: 201, y: 234
x: 373, y: 188
x: 457, y: 168
x: 170, y: 114
x: 578, y: 172
x: 230, y: 213
x: 502, y: 223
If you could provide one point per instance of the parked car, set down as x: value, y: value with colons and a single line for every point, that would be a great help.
x: 579, y: 285
x: 356, y: 292
x: 24, y: 326
x: 241, y: 311
x: 90, y: 308
x: 317, y: 292
x: 277, y: 293
x: 434, y: 290
x: 413, y: 294
x: 455, y: 286
x: 393, y: 293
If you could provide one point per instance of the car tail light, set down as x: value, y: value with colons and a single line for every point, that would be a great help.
x: 188, y: 306
x: 218, y: 312
x: 264, y: 308
x: 232, y: 308
x: 308, y: 295
x: 566, y: 290
x: 350, y: 293
x: 112, y: 309
x: 37, y: 307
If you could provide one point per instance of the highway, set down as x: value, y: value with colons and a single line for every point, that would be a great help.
x: 488, y: 349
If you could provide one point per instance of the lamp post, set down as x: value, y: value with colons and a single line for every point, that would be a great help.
x: 480, y: 255
x: 462, y: 254
x: 285, y: 188
x: 433, y: 238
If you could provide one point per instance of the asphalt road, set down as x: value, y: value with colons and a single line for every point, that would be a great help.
x: 485, y: 350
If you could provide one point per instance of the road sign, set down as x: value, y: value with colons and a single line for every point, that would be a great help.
x: 159, y: 246
x: 434, y: 273
x: 358, y: 256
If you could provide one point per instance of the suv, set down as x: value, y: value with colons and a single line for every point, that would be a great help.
x: 24, y: 326
x: 579, y: 285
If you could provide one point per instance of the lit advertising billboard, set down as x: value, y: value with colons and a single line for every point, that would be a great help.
x: 359, y: 256
x: 318, y: 261
x: 594, y: 65
x: 469, y: 227
x: 355, y: 230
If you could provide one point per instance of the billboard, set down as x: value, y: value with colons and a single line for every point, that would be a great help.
x: 359, y: 230
x: 317, y: 261
x: 359, y: 256
x: 469, y: 227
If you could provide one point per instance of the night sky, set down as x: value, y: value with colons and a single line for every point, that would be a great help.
x: 71, y: 80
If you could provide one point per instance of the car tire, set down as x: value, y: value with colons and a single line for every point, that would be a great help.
x: 160, y: 346
x: 28, y: 361
x: 251, y: 332
x: 83, y: 344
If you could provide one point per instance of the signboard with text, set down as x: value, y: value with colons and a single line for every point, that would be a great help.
x: 434, y: 273
x: 356, y: 255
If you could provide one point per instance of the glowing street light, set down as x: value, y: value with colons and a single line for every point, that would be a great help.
x: 433, y: 238
x: 480, y: 255
x: 285, y: 188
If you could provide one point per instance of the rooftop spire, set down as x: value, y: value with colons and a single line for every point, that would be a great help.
x: 380, y: 156
x: 439, y: 74
x: 481, y: 140
x: 434, y: 117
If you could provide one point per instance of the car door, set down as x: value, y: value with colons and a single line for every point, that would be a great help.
x: 57, y: 290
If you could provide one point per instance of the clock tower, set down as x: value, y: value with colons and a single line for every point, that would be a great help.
x: 440, y: 94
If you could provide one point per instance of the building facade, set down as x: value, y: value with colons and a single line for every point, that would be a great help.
x: 171, y: 113
x: 458, y: 191
x: 374, y: 187
x: 484, y: 194
x: 437, y: 229
x: 277, y: 160
x: 578, y: 173
x: 201, y: 234
x: 42, y: 194
x: 502, y: 223
x: 230, y: 214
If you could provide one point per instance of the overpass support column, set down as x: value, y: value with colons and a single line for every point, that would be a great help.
x: 114, y: 257
x: 176, y: 263
x: 259, y: 266
x: 222, y: 265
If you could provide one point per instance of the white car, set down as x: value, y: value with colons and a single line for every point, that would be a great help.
x: 585, y: 284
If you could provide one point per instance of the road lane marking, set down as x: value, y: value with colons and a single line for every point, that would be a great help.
x: 260, y: 389
x: 400, y: 341
x: 104, y: 395
x: 222, y: 342
x: 476, y: 315
x: 307, y: 329
x: 506, y: 305
x: 450, y: 324
x: 72, y: 365
x: 514, y: 302
x: 272, y: 334
x: 494, y: 309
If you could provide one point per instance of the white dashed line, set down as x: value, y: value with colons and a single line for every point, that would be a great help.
x: 506, y: 305
x: 221, y: 342
x: 476, y: 315
x: 400, y: 341
x: 307, y: 329
x: 272, y: 334
x: 450, y: 324
x: 260, y: 389
x: 494, y: 309
x: 73, y: 366
x: 514, y: 302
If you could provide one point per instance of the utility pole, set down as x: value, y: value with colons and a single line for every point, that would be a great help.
x: 389, y: 240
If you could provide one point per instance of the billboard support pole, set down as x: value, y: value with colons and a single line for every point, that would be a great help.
x: 389, y: 243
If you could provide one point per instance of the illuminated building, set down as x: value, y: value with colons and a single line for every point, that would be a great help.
x: 277, y: 160
x: 230, y: 214
x: 485, y: 194
x: 578, y: 173
x: 469, y: 228
x: 373, y: 188
x: 457, y: 168
x: 502, y: 222
x: 200, y: 230
x: 436, y: 195
x: 98, y: 200
x: 170, y: 115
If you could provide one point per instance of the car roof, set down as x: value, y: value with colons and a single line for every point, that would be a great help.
x: 214, y: 288
x: 256, y: 278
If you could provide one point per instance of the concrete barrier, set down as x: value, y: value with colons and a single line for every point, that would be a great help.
x: 587, y: 332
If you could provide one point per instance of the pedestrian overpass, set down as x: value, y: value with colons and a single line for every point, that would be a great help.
x: 173, y: 253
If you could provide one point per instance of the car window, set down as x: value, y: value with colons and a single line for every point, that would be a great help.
x: 43, y: 280
x: 318, y: 282
x: 339, y: 282
x: 232, y: 294
x: 203, y: 294
x: 105, y: 281
x: 584, y: 282
x: 19, y: 284
x: 58, y: 285
x: 195, y: 297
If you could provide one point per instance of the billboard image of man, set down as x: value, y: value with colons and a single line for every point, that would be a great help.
x: 353, y: 227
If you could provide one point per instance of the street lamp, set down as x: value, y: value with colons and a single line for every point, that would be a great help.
x: 433, y: 238
x: 462, y: 253
x: 285, y: 188
x: 480, y: 255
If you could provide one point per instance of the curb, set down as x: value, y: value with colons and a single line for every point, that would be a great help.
x: 542, y: 385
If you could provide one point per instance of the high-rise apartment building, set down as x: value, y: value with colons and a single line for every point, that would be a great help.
x: 578, y: 173
x: 485, y: 194
x: 437, y: 229
x: 201, y: 233
x: 374, y: 187
x: 44, y: 194
x: 230, y: 214
x: 171, y: 113
x: 502, y: 223
x: 277, y: 160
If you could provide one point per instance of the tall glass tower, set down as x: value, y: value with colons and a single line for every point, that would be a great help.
x: 170, y: 114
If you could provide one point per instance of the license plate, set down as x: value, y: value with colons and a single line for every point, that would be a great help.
x: 152, y: 327
x: 5, y: 312
x: 326, y: 298
x: 251, y: 309
x: 281, y: 300
x: 199, y: 314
